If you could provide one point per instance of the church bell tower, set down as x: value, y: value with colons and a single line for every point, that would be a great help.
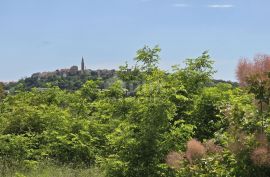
x: 82, y: 66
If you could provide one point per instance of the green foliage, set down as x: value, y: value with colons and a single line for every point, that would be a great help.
x: 149, y: 57
x: 217, y: 108
x: 222, y: 165
x: 127, y: 74
x: 43, y: 124
x: 70, y: 82
x: 205, y: 115
x: 197, y: 73
x: 90, y: 90
x: 129, y: 132
x: 2, y: 91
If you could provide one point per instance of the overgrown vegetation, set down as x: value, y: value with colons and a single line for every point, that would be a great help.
x: 174, y: 124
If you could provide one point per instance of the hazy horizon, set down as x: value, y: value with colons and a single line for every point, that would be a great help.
x: 37, y: 36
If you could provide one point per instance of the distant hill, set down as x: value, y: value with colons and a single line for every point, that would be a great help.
x: 72, y: 79
x: 68, y: 79
x: 217, y: 81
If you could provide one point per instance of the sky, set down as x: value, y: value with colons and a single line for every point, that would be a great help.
x: 45, y: 35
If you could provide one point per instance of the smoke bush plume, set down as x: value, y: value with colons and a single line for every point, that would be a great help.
x: 195, y: 150
x: 174, y: 159
x: 260, y: 156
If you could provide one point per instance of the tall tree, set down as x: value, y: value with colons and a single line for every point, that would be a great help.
x: 146, y: 59
x: 149, y: 57
x: 196, y: 74
x: 254, y: 75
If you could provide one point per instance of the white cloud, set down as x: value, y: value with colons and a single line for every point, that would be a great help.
x: 181, y: 5
x: 220, y: 6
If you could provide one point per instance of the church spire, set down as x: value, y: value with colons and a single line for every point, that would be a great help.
x: 82, y: 65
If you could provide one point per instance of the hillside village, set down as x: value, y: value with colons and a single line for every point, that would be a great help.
x: 74, y: 70
x: 69, y: 79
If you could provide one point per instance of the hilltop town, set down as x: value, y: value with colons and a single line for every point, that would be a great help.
x: 74, y: 70
x: 69, y: 79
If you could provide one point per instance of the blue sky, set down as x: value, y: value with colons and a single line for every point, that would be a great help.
x: 44, y: 35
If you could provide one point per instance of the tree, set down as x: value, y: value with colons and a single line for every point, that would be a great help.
x: 149, y: 57
x: 205, y: 114
x: 129, y: 75
x: 147, y: 130
x: 197, y: 73
x: 90, y: 90
x: 141, y: 141
x: 254, y: 76
x: 2, y: 91
x: 189, y: 82
x: 146, y: 61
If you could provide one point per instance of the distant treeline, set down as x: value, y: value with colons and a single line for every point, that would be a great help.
x: 70, y: 82
x: 75, y: 82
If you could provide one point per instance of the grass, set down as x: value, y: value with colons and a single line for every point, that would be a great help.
x: 45, y: 169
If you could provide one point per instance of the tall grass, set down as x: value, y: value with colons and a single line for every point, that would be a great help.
x: 45, y: 169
